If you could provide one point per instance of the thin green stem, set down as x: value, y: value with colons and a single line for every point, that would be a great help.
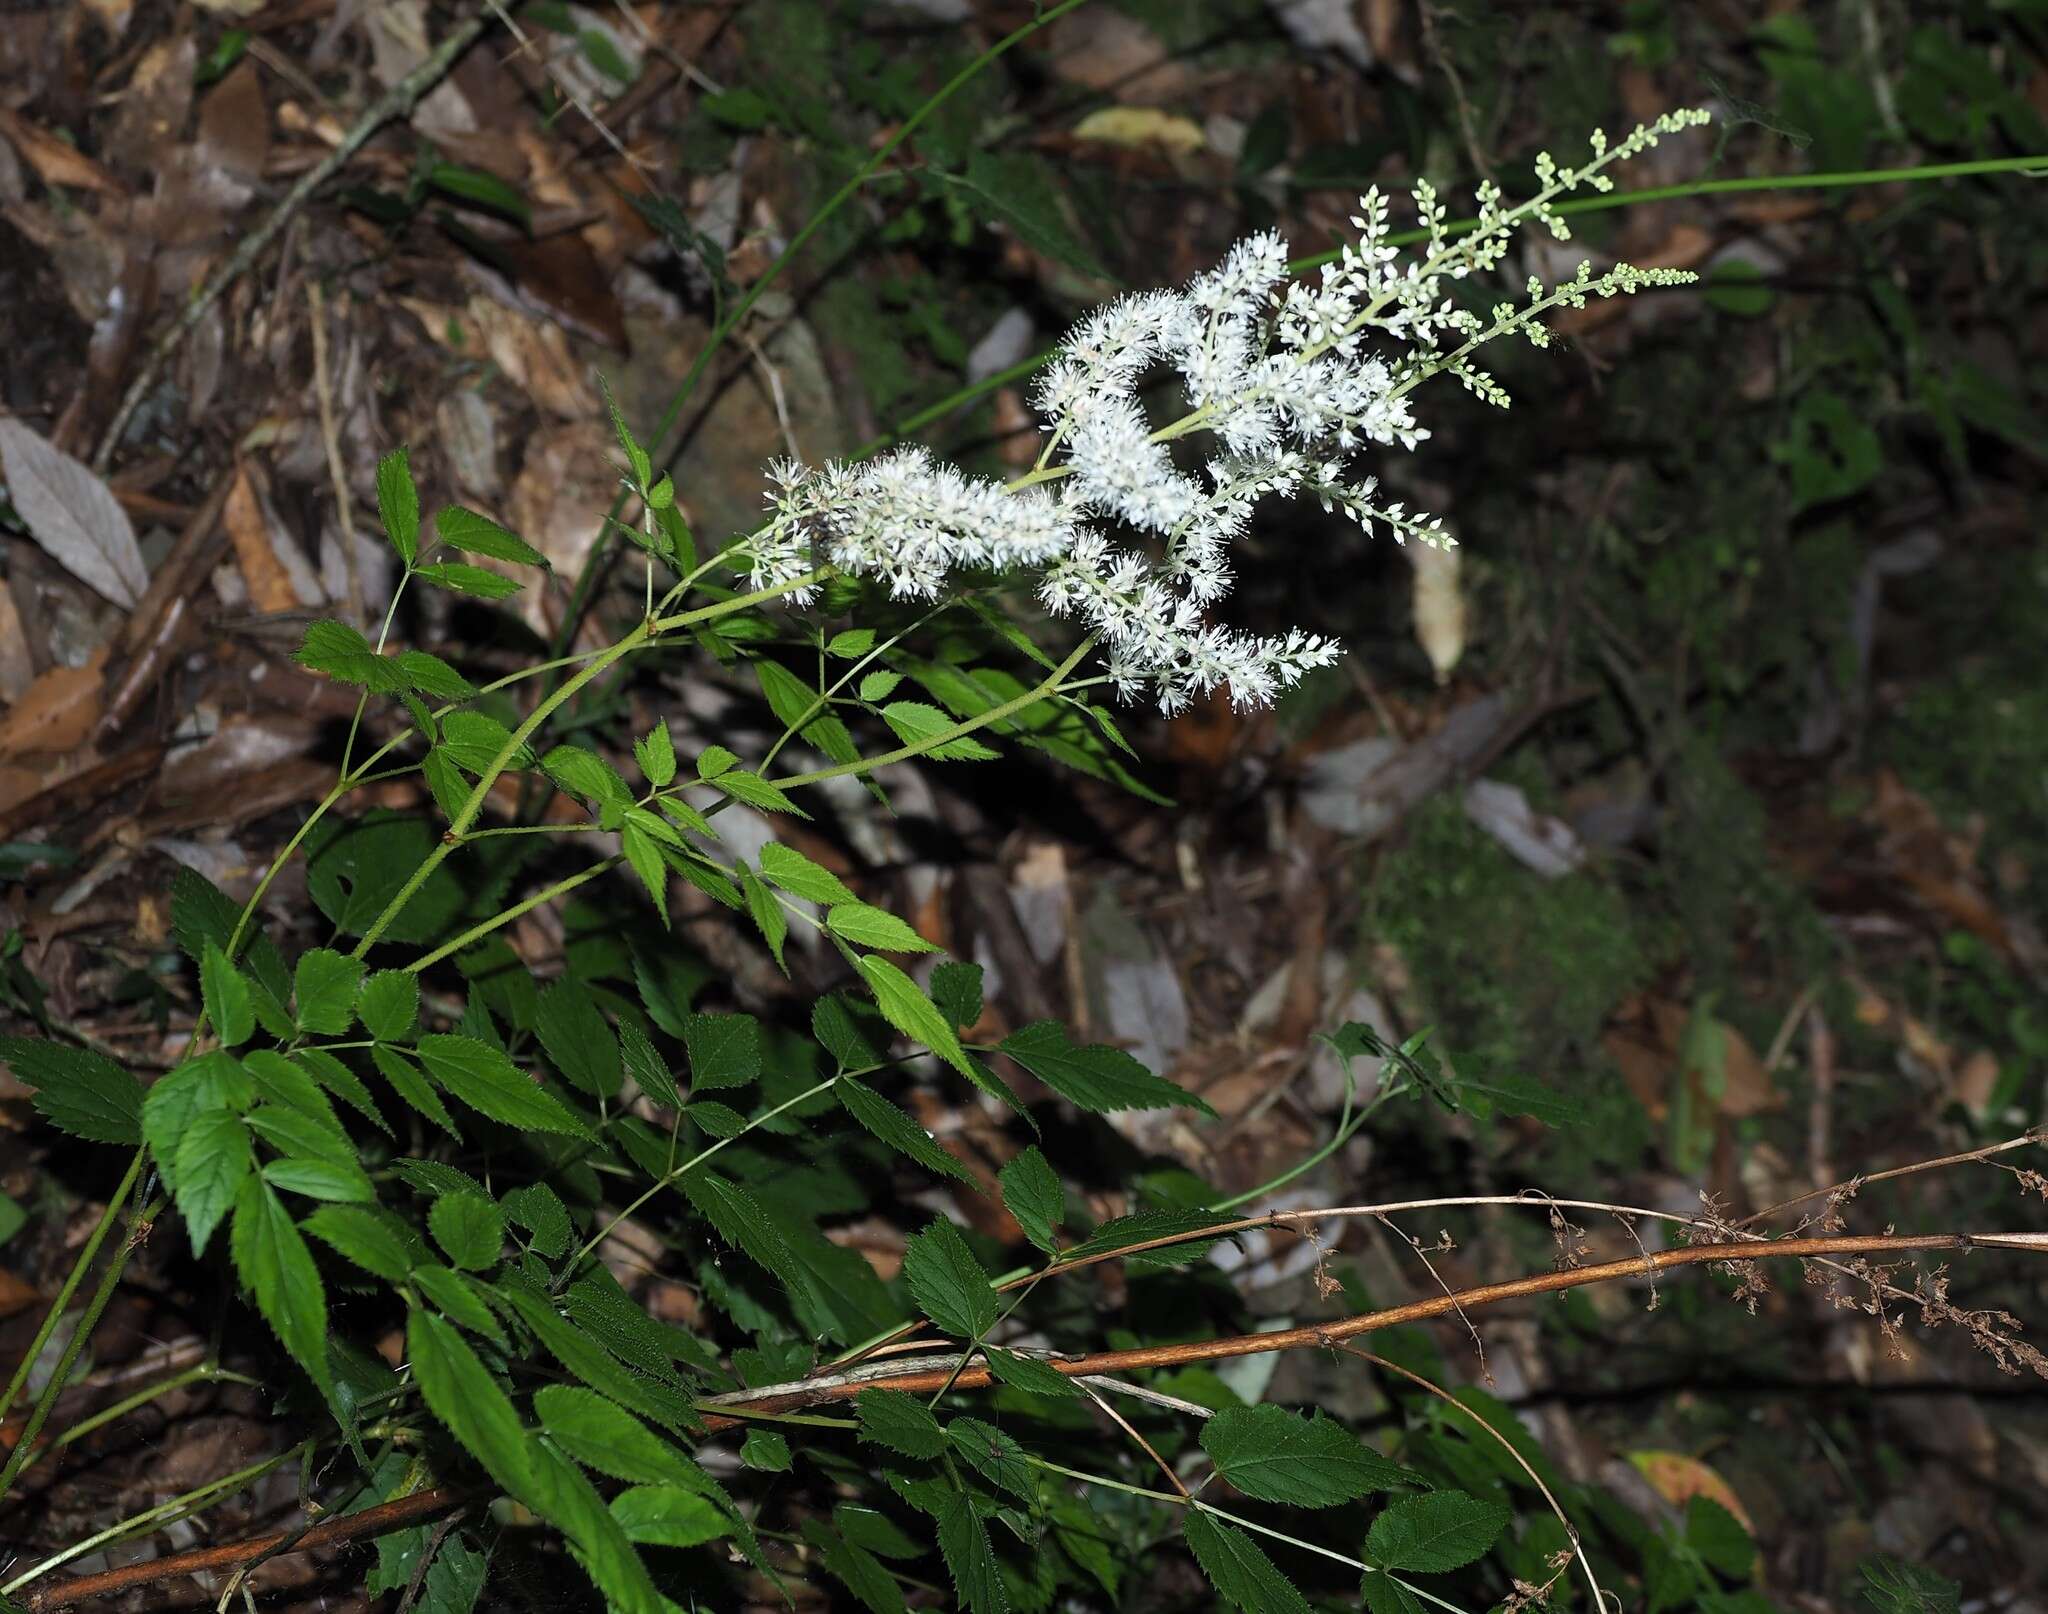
x: 72, y: 1280
x: 539, y: 899
x: 530, y: 829
x: 466, y: 814
x: 68, y: 1360
x: 668, y: 1178
x: 204, y: 1373
x: 178, y: 1507
x: 1238, y: 1519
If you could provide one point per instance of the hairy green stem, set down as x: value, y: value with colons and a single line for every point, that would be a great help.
x: 73, y: 1348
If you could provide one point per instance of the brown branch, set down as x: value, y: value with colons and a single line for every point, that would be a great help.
x: 925, y: 1380
x: 1941, y: 1162
x: 373, y: 1521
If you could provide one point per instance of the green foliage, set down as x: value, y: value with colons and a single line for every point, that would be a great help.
x: 1275, y: 1455
x: 483, y: 1210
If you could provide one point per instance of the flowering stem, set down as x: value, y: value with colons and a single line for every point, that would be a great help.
x: 2033, y: 167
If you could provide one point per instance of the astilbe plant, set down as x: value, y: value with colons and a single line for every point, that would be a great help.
x: 465, y: 1164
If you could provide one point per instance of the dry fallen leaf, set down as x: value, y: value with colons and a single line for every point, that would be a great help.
x: 1141, y: 126
x: 1679, y: 1478
x: 72, y: 514
x: 56, y: 712
x: 57, y: 162
x: 270, y: 587
x: 1439, y: 606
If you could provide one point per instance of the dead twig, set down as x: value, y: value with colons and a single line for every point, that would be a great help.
x: 923, y: 1377
x: 235, y: 1555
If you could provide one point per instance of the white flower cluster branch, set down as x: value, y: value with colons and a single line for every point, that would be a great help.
x: 1287, y: 381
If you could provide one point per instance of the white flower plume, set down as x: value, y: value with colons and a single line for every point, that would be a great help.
x: 1288, y: 380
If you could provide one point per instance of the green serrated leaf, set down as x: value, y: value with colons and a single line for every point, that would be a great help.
x: 609, y: 1440
x: 489, y: 1083
x: 904, y: 1006
x: 643, y: 855
x: 207, y: 1082
x: 724, y: 1050
x: 765, y: 1450
x: 751, y: 788
x: 428, y: 674
x: 1097, y: 1078
x: 714, y: 760
x: 948, y: 1283
x: 470, y: 1228
x: 226, y: 996
x: 915, y: 723
x: 389, y: 1004
x: 283, y: 1083
x: 964, y: 1544
x: 800, y: 877
x: 460, y: 1391
x: 474, y: 741
x: 646, y: 1066
x: 325, y: 984
x: 1238, y: 1567
x: 584, y: 773
x: 479, y: 535
x: 875, y: 927
x: 665, y: 1516
x: 1017, y: 190
x: 1032, y: 1193
x: 994, y: 1455
x: 895, y: 1128
x: 336, y: 649
x: 597, y: 1541
x: 767, y: 914
x: 1029, y: 1374
x: 720, y: 1120
x: 579, y: 1042
x: 409, y: 1084
x: 274, y: 1263
x: 956, y: 989
x: 539, y: 1209
x: 398, y: 502
x: 1141, y: 1227
x: 462, y: 578
x: 656, y: 754
x: 855, y: 1568
x: 898, y: 1421
x: 1433, y: 1533
x: 636, y: 456
x: 741, y: 1221
x: 459, y: 1298
x: 1276, y: 1455
x: 77, y: 1091
x: 371, y: 1237
x: 214, y: 1158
